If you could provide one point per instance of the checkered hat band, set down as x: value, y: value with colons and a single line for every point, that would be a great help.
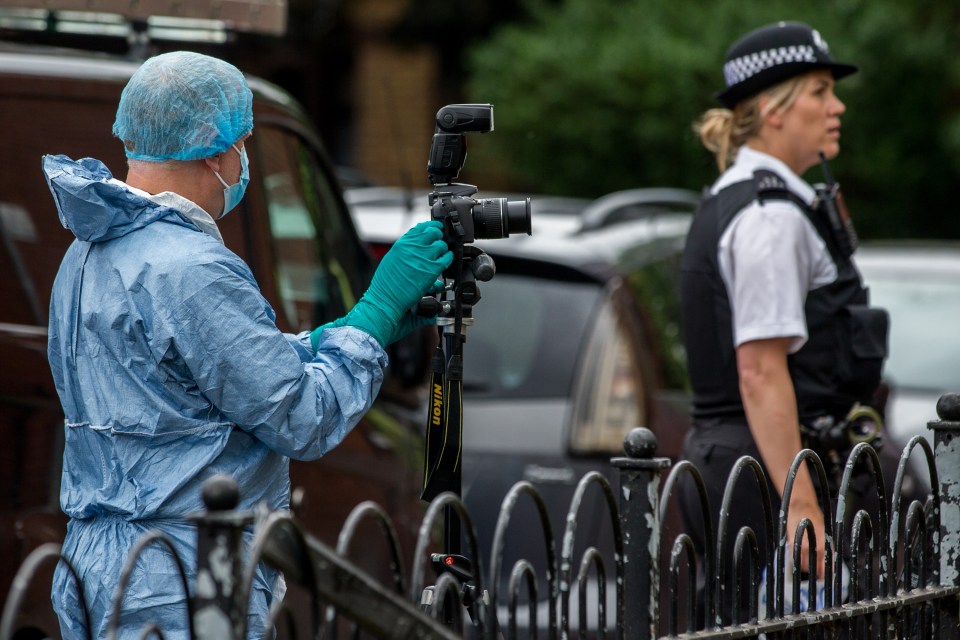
x: 745, y: 67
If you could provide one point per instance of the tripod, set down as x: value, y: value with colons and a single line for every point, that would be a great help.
x: 443, y: 471
x: 464, y: 219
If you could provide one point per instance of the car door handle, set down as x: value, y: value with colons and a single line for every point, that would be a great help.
x: 549, y: 475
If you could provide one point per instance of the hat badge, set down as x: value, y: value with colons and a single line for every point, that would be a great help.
x: 820, y: 42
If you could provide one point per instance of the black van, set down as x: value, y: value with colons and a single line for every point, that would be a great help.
x: 292, y: 228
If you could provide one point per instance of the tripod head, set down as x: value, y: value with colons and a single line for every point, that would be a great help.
x: 461, y: 290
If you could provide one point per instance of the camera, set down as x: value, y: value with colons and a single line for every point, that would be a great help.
x: 465, y: 218
x: 485, y: 219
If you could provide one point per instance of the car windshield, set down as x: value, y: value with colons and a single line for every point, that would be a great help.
x: 526, y: 336
x: 924, y: 349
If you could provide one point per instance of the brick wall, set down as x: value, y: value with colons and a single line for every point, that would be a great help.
x: 394, y: 96
x: 394, y: 110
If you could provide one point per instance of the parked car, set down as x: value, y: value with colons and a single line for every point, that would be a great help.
x: 293, y: 229
x: 635, y: 204
x: 919, y: 284
x: 576, y: 341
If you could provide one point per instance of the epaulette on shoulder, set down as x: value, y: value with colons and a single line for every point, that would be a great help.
x: 767, y: 181
x: 770, y: 186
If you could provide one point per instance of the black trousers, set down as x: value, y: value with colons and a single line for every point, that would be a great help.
x: 714, y: 446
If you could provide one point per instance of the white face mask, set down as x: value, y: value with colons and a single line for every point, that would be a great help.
x: 233, y: 193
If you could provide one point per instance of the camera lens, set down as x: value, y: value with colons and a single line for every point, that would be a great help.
x: 498, y: 218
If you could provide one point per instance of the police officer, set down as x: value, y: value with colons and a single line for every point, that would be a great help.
x: 776, y: 323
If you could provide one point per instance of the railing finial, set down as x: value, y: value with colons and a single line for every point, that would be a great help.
x: 948, y: 407
x: 221, y: 493
x: 640, y: 443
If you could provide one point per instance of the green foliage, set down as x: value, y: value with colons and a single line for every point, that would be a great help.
x: 598, y: 95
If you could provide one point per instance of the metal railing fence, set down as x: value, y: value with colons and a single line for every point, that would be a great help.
x: 899, y: 566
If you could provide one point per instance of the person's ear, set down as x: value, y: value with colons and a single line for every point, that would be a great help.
x: 774, y: 117
x: 213, y: 162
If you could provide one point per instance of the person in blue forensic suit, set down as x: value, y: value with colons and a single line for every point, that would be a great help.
x: 167, y: 359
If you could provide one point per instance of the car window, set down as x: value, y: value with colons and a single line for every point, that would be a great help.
x: 923, y: 346
x: 607, y: 398
x: 527, y: 336
x: 33, y: 239
x: 640, y: 210
x: 317, y: 260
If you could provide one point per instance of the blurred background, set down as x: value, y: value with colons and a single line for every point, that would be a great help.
x: 593, y: 96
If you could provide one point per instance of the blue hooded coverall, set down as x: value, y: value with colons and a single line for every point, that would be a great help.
x: 170, y: 369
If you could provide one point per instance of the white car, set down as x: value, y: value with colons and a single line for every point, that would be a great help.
x: 919, y: 285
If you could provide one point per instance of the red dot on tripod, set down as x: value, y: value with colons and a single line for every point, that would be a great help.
x: 448, y: 560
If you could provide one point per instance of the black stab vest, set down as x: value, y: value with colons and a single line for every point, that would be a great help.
x: 841, y: 362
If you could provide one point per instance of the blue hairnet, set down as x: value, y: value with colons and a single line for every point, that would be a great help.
x: 183, y: 106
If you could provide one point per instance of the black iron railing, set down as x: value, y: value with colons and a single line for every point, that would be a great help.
x: 899, y: 566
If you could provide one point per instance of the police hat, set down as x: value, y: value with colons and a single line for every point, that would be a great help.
x: 774, y: 53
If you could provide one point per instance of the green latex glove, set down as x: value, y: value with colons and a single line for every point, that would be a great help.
x: 406, y: 273
x: 315, y: 334
x: 408, y: 323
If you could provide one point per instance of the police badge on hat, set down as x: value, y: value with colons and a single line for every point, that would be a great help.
x: 774, y: 53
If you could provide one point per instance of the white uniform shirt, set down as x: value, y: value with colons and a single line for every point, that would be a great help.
x: 770, y: 256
